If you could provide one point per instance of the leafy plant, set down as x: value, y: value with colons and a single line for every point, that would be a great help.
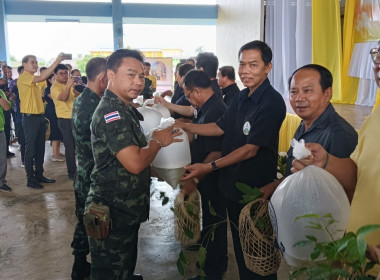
x: 281, y: 164
x: 345, y: 257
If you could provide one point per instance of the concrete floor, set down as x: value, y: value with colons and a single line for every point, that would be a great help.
x: 36, y: 228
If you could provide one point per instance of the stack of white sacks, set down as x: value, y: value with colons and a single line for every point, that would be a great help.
x: 170, y: 161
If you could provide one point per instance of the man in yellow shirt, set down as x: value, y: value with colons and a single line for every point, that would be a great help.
x: 147, y: 66
x: 63, y: 95
x: 33, y: 121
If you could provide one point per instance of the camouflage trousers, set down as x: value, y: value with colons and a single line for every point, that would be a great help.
x: 80, y: 240
x: 115, y: 257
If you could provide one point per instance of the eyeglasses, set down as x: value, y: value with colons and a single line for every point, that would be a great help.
x: 374, y: 55
x: 187, y: 97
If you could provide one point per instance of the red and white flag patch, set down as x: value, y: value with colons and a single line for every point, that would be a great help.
x: 110, y: 117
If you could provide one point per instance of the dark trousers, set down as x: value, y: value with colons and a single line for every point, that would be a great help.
x: 65, y: 127
x: 7, y: 127
x: 21, y: 140
x: 34, y: 129
x: 115, y: 257
x: 216, y: 257
x: 80, y: 240
x: 234, y: 209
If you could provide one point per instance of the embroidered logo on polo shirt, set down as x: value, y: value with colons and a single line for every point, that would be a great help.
x: 110, y: 117
x: 246, y: 128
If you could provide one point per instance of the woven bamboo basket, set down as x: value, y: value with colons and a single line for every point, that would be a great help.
x: 47, y: 133
x: 187, y: 211
x: 257, y: 239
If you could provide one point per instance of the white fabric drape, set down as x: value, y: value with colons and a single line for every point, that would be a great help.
x: 361, y: 67
x: 288, y: 33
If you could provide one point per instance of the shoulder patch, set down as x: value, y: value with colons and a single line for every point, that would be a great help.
x: 110, y: 117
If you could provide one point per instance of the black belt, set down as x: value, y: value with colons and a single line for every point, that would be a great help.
x: 34, y: 115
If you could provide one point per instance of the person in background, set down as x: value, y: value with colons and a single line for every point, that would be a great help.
x: 190, y: 61
x: 4, y: 106
x: 18, y: 118
x: 8, y: 114
x: 55, y: 134
x: 33, y: 122
x: 181, y: 103
x: 226, y: 81
x: 63, y: 95
x: 69, y: 67
x: 147, y: 74
x: 83, y: 110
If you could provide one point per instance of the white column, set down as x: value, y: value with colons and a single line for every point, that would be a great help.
x: 239, y: 22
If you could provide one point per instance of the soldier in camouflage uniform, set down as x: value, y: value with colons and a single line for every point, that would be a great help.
x: 147, y: 92
x: 83, y: 109
x: 121, y: 176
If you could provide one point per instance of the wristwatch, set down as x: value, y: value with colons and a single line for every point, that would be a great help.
x: 213, y: 165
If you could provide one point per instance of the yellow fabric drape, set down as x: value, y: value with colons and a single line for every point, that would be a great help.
x: 287, y: 130
x: 377, y: 102
x: 349, y: 84
x: 326, y: 40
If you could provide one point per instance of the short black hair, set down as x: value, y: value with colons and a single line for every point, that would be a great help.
x: 146, y: 63
x: 72, y: 71
x: 115, y: 59
x: 60, y: 67
x: 196, y: 78
x: 209, y: 62
x: 25, y: 59
x: 191, y: 59
x: 266, y: 52
x: 325, y: 76
x: 95, y: 66
x: 184, y: 68
x: 19, y: 69
x: 228, y: 71
x: 43, y: 68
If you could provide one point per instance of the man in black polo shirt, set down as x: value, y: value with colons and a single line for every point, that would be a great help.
x: 197, y: 89
x: 250, y: 127
x: 208, y: 63
x: 310, y: 91
x: 226, y: 80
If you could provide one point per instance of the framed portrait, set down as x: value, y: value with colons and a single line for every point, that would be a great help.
x: 161, y: 68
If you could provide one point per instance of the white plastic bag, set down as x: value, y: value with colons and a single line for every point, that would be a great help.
x: 152, y: 118
x: 159, y: 107
x: 312, y: 190
x: 170, y: 161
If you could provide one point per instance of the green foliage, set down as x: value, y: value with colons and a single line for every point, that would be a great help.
x: 345, y: 257
x: 249, y: 193
x: 281, y: 163
x: 164, y: 198
x: 182, y: 263
x: 82, y: 61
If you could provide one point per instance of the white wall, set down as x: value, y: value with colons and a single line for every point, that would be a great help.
x: 239, y: 22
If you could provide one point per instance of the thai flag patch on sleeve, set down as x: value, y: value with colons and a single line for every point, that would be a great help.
x: 110, y: 117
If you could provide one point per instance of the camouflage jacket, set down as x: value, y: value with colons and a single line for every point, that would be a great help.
x: 147, y: 92
x: 83, y: 109
x: 114, y: 127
